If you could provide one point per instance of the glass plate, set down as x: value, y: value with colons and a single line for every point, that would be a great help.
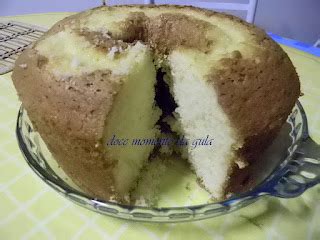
x: 292, y: 165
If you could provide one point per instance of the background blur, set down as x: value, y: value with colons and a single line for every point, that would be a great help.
x: 295, y: 19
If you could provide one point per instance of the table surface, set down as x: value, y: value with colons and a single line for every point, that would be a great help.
x: 29, y: 209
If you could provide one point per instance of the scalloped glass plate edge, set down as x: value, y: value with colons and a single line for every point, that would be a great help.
x: 298, y: 172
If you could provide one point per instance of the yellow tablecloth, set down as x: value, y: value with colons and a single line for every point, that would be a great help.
x: 29, y: 209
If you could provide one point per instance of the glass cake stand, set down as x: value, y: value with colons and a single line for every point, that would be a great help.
x: 291, y: 171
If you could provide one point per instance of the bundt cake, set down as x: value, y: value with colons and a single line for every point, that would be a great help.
x: 91, y: 85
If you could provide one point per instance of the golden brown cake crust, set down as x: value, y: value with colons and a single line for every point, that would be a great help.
x: 70, y: 113
x: 268, y: 81
x: 257, y: 95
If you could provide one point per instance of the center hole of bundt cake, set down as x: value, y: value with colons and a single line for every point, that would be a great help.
x: 164, y: 100
x: 165, y: 32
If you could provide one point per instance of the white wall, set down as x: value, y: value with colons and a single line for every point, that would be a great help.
x: 297, y: 19
x: 17, y: 7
